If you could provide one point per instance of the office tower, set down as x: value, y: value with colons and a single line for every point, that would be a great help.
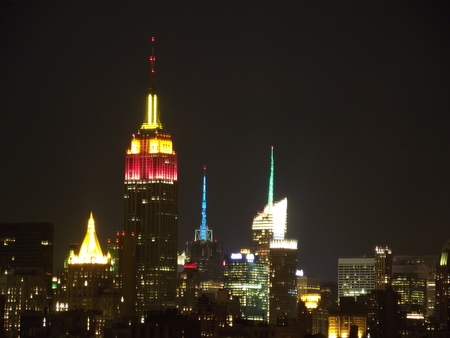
x: 86, y: 276
x: 269, y: 224
x: 188, y: 289
x: 428, y: 261
x: 123, y: 270
x: 356, y: 276
x: 205, y: 250
x: 25, y: 291
x: 310, y: 303
x: 282, y: 281
x: 25, y: 245
x: 151, y: 208
x: 383, y: 267
x: 443, y: 288
x: 383, y: 314
x: 346, y: 325
x: 307, y: 284
x: 410, y: 281
x: 247, y: 278
x: 87, y: 281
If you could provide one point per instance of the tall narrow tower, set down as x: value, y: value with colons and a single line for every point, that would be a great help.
x: 151, y: 208
x: 269, y: 224
x: 205, y: 250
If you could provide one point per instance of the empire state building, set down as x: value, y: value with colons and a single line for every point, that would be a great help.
x: 151, y: 208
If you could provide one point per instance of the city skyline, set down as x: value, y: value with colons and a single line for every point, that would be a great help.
x: 353, y: 99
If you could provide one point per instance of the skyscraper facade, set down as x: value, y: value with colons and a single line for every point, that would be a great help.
x: 151, y: 208
x: 443, y: 288
x: 86, y: 282
x: 383, y: 268
x: 356, y: 276
x: 269, y: 224
x: 205, y: 251
x: 26, y: 245
x: 282, y: 280
x: 247, y: 279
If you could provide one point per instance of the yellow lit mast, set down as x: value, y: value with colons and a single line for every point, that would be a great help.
x: 151, y: 120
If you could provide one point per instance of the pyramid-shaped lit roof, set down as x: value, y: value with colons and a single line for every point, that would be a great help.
x: 90, y: 251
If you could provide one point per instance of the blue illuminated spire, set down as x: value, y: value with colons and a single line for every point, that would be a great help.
x: 203, y: 234
x: 270, y: 199
x: 203, y: 226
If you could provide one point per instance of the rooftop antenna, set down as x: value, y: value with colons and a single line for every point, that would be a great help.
x: 152, y: 66
x: 151, y: 120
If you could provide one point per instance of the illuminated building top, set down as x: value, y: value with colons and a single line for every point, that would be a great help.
x: 90, y: 251
x: 283, y: 244
x: 203, y: 234
x: 151, y: 155
x: 151, y: 120
x: 274, y: 216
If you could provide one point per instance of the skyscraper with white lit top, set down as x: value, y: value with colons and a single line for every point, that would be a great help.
x: 269, y: 224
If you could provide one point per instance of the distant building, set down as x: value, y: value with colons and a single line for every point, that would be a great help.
x: 86, y: 282
x: 356, y: 276
x: 188, y: 290
x: 27, y: 245
x: 410, y: 282
x: 443, y: 288
x: 384, y: 314
x: 312, y: 311
x: 383, y: 268
x: 247, y: 279
x: 428, y: 261
x: 151, y: 209
x: 25, y: 290
x: 282, y: 281
x: 269, y: 224
x: 205, y: 251
x: 123, y: 271
x: 307, y: 285
x: 26, y: 267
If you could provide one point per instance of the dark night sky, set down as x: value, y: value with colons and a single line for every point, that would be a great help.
x: 353, y: 96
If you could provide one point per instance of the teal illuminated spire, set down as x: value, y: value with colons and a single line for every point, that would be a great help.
x: 270, y: 200
x: 203, y: 234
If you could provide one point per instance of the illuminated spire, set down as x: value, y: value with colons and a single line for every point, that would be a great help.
x: 90, y: 251
x: 270, y: 199
x: 151, y: 120
x: 204, y: 226
x: 203, y: 234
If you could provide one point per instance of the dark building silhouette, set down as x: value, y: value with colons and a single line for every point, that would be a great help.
x: 26, y: 266
x: 443, y: 288
x: 151, y: 209
x: 26, y: 245
x: 123, y: 269
x: 384, y: 314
